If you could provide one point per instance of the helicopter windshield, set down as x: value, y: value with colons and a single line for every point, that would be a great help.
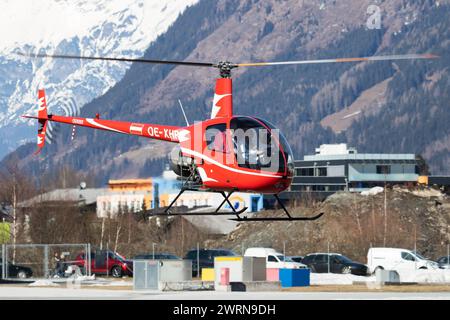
x: 286, y: 148
x: 258, y: 147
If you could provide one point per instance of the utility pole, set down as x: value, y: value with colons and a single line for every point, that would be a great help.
x: 415, y: 246
x: 182, y: 234
x: 385, y: 212
x: 129, y: 213
x: 102, y: 233
x: 14, y: 231
x: 153, y: 250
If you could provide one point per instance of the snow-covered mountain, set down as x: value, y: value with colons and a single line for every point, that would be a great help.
x: 76, y: 27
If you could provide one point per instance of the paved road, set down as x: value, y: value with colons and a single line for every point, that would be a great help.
x: 9, y: 292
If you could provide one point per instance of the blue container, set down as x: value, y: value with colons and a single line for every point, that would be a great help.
x: 294, y: 277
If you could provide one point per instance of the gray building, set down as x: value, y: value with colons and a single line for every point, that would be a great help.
x: 336, y: 167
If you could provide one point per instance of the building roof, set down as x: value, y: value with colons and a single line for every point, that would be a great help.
x: 342, y: 152
x: 84, y: 196
x: 219, y: 224
x: 361, y: 156
x: 130, y: 181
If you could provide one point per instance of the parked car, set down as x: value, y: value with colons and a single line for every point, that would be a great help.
x: 334, y: 263
x: 156, y: 256
x: 274, y: 259
x: 106, y: 262
x: 444, y: 262
x: 206, y: 257
x: 397, y: 259
x: 16, y: 271
x: 295, y: 258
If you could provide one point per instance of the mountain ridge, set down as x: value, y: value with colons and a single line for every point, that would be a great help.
x: 303, y: 96
x: 69, y: 27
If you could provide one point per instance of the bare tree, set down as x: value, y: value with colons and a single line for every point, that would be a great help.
x: 102, y: 232
x: 14, y: 188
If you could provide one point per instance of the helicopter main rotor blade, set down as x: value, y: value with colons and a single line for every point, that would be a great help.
x: 372, y: 58
x: 226, y: 66
x: 59, y: 56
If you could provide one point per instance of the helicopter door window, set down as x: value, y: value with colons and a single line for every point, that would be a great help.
x: 253, y: 145
x: 215, y: 137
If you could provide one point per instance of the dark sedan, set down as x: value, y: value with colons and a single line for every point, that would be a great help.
x: 444, y: 262
x: 298, y: 259
x: 15, y: 271
x: 156, y: 256
x: 206, y: 258
x: 334, y: 263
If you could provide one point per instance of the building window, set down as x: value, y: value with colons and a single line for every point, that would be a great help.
x: 305, y: 172
x: 383, y: 169
x: 319, y: 188
x: 321, y: 172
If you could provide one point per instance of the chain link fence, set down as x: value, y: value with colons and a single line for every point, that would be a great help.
x: 43, y: 261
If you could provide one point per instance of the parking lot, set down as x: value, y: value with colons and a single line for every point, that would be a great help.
x: 323, y: 287
x: 311, y: 293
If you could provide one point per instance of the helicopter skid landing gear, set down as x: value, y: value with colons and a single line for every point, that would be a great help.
x: 167, y: 212
x: 288, y: 218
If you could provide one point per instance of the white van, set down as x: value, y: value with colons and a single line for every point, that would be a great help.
x: 274, y: 259
x: 397, y: 259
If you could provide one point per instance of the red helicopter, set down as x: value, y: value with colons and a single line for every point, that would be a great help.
x: 226, y: 153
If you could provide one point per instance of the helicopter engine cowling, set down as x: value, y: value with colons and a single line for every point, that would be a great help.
x: 181, y: 165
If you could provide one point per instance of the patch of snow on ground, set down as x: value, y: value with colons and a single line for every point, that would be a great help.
x: 425, y: 276
x: 43, y: 283
x: 337, y: 279
x: 110, y: 283
x: 372, y: 191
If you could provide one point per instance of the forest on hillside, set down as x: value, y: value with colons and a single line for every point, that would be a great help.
x: 413, y: 119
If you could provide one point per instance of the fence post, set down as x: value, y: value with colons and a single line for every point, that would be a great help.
x: 46, y: 273
x: 198, y: 260
x: 3, y: 261
x: 107, y: 260
x: 89, y: 259
x: 328, y: 248
x: 85, y: 259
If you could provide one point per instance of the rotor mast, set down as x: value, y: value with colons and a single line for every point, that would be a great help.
x: 225, y: 68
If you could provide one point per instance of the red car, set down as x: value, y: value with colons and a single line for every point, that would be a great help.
x: 106, y: 262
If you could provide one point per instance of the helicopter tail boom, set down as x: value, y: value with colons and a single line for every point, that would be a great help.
x: 153, y: 131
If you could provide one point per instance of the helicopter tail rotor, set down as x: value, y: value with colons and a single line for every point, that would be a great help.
x: 42, y: 120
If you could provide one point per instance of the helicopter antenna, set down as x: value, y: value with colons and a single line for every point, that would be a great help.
x: 182, y: 110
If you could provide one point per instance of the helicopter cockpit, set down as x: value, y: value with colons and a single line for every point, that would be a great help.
x: 259, y: 145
